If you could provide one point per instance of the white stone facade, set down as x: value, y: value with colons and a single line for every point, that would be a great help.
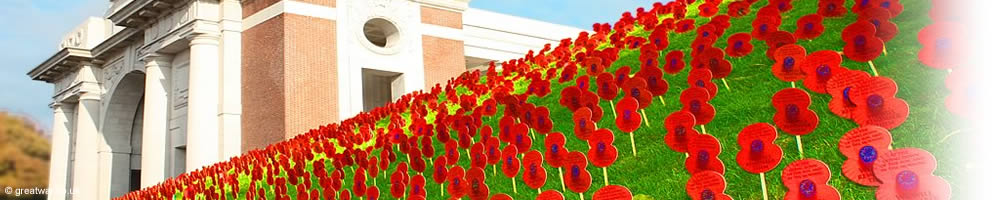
x: 154, y: 88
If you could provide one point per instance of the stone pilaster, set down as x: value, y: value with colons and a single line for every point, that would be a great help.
x: 86, y: 165
x: 62, y: 125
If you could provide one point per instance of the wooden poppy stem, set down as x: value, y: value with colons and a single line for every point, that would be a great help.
x: 513, y: 184
x: 793, y: 84
x: 872, y: 65
x: 631, y: 136
x: 661, y: 100
x: 561, y: 180
x: 885, y: 51
x: 798, y: 140
x: 726, y: 83
x: 613, y: 114
x: 605, y: 176
x: 539, y: 190
x: 763, y: 185
x: 494, y: 169
x: 581, y: 196
x: 703, y: 129
x: 442, y: 189
x: 644, y: 118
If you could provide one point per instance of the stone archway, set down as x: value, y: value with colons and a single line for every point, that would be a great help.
x: 121, y: 131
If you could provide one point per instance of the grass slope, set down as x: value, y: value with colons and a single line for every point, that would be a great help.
x: 659, y: 173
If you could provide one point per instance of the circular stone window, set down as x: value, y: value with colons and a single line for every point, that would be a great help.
x: 381, y: 32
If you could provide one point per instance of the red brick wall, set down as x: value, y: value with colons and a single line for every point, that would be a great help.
x: 443, y: 59
x: 310, y: 73
x: 263, y: 84
x: 440, y: 17
x: 289, y: 78
x: 251, y: 7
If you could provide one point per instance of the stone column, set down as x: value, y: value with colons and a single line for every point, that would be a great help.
x: 59, y: 160
x: 86, y: 166
x: 156, y: 111
x: 203, y: 102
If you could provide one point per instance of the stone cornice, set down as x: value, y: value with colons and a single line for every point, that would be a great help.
x: 450, y: 5
x: 140, y: 12
x: 116, y: 43
x: 60, y: 63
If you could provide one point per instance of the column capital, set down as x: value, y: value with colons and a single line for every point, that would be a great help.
x: 204, y: 39
x: 60, y: 107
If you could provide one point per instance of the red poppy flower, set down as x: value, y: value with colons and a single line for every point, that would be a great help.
x: 707, y: 33
x: 418, y: 186
x: 534, y: 174
x: 636, y: 88
x: 613, y: 192
x: 543, y: 124
x: 569, y: 98
x: 590, y: 100
x: 568, y: 72
x: 877, y: 104
x: 808, y: 179
x: 628, y: 119
x: 884, y: 28
x: 707, y: 185
x: 840, y: 86
x: 648, y: 57
x: 492, y: 150
x: 510, y: 163
x: 607, y: 89
x: 583, y: 82
x: 674, y: 62
x: 555, y: 149
x: 602, y: 152
x: 539, y: 87
x: 684, y: 26
x: 909, y: 174
x: 809, y: 27
x: 359, y: 186
x: 764, y: 25
x: 831, y: 8
x: 793, y: 115
x: 703, y: 78
x: 658, y: 38
x: 862, y: 45
x: 758, y: 153
x: 790, y: 58
x: 714, y: 59
x: 739, y: 45
x: 521, y: 138
x: 477, y: 188
x: 943, y: 45
x: 501, y: 196
x: 593, y: 65
x: 578, y: 179
x: 704, y: 154
x: 451, y: 152
x: 708, y: 9
x: 781, y: 5
x: 680, y: 128
x: 457, y: 185
x: 634, y: 42
x: 863, y: 146
x: 372, y: 193
x: 583, y: 125
x: 622, y: 74
x: 819, y: 67
x: 477, y: 155
x: 777, y: 40
x: 739, y: 9
x: 695, y: 101
x: 654, y: 80
x: 550, y: 195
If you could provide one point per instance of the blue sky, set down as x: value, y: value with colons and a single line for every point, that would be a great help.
x: 32, y: 29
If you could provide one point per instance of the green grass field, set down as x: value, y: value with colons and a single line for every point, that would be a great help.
x: 658, y: 173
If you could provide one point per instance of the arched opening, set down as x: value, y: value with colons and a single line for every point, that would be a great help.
x: 381, y: 32
x: 122, y: 132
